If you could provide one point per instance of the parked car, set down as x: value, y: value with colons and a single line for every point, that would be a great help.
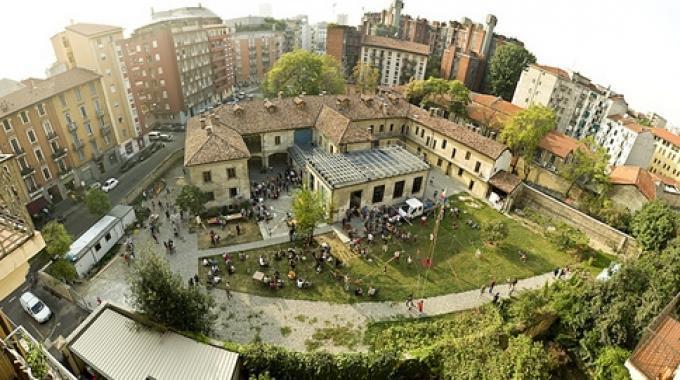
x: 414, y: 208
x: 154, y: 135
x: 109, y: 184
x: 166, y: 137
x: 35, y: 307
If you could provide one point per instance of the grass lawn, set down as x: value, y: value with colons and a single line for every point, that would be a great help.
x: 249, y: 232
x: 455, y: 266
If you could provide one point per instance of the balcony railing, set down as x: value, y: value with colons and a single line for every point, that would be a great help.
x: 27, y: 171
x: 19, y: 152
x: 78, y: 145
x: 59, y: 153
x: 65, y: 171
x: 72, y: 126
x: 52, y: 135
x: 105, y: 130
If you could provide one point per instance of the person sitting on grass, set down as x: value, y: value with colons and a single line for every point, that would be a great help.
x: 263, y: 262
x: 278, y: 255
x: 292, y: 275
x: 372, y: 291
x: 359, y: 292
x: 230, y: 268
x: 242, y: 256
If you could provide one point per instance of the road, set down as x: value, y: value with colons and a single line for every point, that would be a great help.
x: 80, y: 219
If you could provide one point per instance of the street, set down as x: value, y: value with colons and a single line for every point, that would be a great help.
x: 79, y: 220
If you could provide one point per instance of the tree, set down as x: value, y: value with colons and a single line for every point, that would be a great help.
x: 366, y: 77
x: 301, y: 71
x: 165, y: 298
x: 524, y: 131
x: 494, y: 231
x: 609, y: 364
x: 433, y: 66
x: 568, y: 238
x: 97, y: 202
x: 587, y: 166
x: 309, y: 210
x: 37, y: 361
x: 436, y: 92
x: 57, y: 239
x: 654, y: 225
x: 506, y: 67
x: 191, y: 199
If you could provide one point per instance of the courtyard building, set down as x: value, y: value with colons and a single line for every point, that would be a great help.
x: 666, y: 158
x: 220, y: 146
x: 93, y: 47
x: 626, y: 141
x: 631, y: 187
x: 60, y: 131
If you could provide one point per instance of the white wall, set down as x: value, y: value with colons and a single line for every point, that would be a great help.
x: 92, y: 255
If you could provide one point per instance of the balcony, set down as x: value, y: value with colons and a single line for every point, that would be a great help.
x: 51, y: 136
x: 19, y: 152
x: 78, y: 145
x: 66, y: 170
x: 27, y: 171
x: 61, y: 152
x: 71, y: 126
x: 100, y: 113
x: 104, y: 130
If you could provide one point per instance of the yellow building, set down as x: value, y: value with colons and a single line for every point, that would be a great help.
x: 93, y: 47
x: 18, y: 240
x: 666, y: 158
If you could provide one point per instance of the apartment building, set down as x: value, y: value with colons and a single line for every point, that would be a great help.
x: 222, y: 59
x: 18, y: 240
x: 580, y: 106
x: 626, y: 141
x: 318, y: 36
x: 466, y: 50
x: 398, y: 61
x: 666, y: 158
x: 93, y: 47
x: 255, y: 52
x: 343, y: 42
x: 60, y: 131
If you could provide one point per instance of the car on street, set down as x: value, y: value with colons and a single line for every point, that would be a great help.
x: 166, y: 137
x: 35, y: 307
x: 109, y: 184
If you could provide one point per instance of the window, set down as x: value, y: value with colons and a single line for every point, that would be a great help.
x: 210, y: 196
x: 467, y: 155
x: 422, y: 133
x: 154, y: 43
x: 97, y: 247
x: 444, y: 144
x: 391, y: 127
x: 417, y: 184
x: 231, y: 173
x: 398, y: 189
x: 39, y: 155
x: 31, y: 136
x: 41, y: 109
x: 62, y: 100
x: 460, y: 172
x: 427, y: 141
x: 207, y: 177
x: 7, y: 123
x: 378, y: 193
x: 15, y: 146
x: 46, y: 173
x: 417, y: 130
x: 23, y: 115
x: 83, y: 112
x: 112, y: 88
x: 233, y: 192
x: 93, y: 88
x: 478, y: 165
x: 403, y: 127
x: 453, y: 154
x: 47, y: 127
x: 439, y: 162
x: 277, y: 140
x: 434, y: 143
x: 79, y: 96
x: 382, y: 128
x: 158, y: 57
x: 107, y: 237
x: 88, y: 128
x: 471, y: 185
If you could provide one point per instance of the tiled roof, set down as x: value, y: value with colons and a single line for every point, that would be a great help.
x: 395, y: 44
x: 559, y: 144
x: 38, y: 90
x: 667, y: 135
x: 490, y: 110
x: 505, y: 181
x: 660, y: 352
x: 222, y: 144
x: 553, y: 70
x: 92, y: 29
x: 665, y: 180
x: 634, y: 176
x: 332, y: 124
x: 628, y: 122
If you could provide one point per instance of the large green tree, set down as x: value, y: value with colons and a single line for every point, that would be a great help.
x: 165, y: 298
x: 57, y: 239
x: 506, y: 67
x: 97, y: 202
x: 309, y: 210
x: 524, y: 131
x: 301, y: 71
x: 191, y: 199
x: 654, y: 225
x: 587, y: 166
x: 366, y: 77
x: 437, y: 92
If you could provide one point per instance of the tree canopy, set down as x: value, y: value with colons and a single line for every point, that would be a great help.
x: 437, y: 92
x: 309, y: 210
x: 97, y: 202
x: 366, y: 77
x: 588, y: 166
x: 165, y: 298
x: 191, y: 199
x: 57, y: 239
x: 506, y: 67
x: 654, y: 225
x: 494, y: 231
x: 524, y: 131
x: 301, y: 71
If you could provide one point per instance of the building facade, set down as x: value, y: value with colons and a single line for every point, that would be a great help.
x: 626, y: 142
x: 61, y: 133
x: 255, y: 52
x: 666, y: 158
x: 93, y: 47
x: 343, y: 42
x: 398, y: 61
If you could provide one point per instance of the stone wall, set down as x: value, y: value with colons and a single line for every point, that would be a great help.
x: 156, y: 173
x: 602, y: 236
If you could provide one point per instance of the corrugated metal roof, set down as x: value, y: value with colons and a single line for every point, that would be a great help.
x: 119, y: 347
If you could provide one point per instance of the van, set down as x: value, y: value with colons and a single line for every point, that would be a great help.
x: 154, y: 135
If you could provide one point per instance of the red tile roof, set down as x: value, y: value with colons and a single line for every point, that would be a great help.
x: 505, y: 181
x: 634, y: 176
x: 553, y: 70
x: 395, y: 44
x: 661, y: 352
x: 559, y: 144
x: 489, y: 110
x: 667, y: 135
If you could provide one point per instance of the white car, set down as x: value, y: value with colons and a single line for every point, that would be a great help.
x: 35, y: 307
x: 109, y: 184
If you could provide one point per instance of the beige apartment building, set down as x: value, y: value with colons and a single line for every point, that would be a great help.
x: 398, y: 61
x: 60, y: 131
x: 18, y: 240
x: 666, y: 157
x: 93, y: 47
x: 335, y: 140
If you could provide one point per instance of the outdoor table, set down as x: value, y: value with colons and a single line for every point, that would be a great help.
x: 258, y: 276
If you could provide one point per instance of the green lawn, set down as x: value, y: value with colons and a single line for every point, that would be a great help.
x: 455, y: 266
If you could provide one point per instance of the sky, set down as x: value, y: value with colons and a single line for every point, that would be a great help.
x: 631, y: 45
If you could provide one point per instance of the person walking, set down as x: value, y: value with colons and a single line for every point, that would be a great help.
x: 409, y: 302
x: 227, y: 289
x: 238, y: 229
x: 493, y: 283
x: 496, y: 297
x: 421, y: 306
